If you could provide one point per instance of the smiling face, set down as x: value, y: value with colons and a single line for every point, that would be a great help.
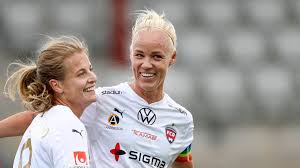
x: 151, y: 55
x: 79, y: 83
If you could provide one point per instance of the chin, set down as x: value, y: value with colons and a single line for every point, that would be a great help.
x: 93, y: 98
x: 148, y: 87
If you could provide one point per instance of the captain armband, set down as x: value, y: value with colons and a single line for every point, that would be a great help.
x: 186, y: 155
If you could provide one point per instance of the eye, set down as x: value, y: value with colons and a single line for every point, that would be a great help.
x: 81, y: 73
x: 158, y: 57
x: 139, y: 55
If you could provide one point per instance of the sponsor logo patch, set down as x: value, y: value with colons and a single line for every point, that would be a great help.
x: 117, y: 151
x: 138, y: 156
x: 147, y: 116
x: 144, y: 135
x: 118, y: 111
x: 80, y: 158
x: 111, y: 92
x: 113, y: 120
x: 77, y: 132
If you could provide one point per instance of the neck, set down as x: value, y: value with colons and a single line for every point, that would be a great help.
x: 77, y: 110
x: 149, y: 96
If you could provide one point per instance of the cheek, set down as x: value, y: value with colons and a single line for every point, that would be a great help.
x: 134, y: 66
x: 76, y: 86
x: 164, y: 67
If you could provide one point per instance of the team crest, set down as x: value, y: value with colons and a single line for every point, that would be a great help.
x: 170, y: 134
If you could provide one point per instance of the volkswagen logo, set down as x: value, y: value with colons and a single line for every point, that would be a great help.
x: 147, y: 116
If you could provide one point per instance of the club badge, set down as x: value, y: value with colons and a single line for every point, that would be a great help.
x: 170, y: 134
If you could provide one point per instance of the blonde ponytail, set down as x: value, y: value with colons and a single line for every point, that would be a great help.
x: 31, y: 82
x: 32, y: 92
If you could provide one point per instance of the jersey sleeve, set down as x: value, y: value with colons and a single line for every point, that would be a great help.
x: 186, y: 154
x: 90, y: 113
x: 69, y: 148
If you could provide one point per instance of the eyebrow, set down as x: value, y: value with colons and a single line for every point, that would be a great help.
x: 155, y: 52
x: 139, y: 51
x: 83, y: 69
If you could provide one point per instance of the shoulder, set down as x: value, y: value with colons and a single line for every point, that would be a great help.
x: 179, y: 108
x: 60, y: 119
x: 61, y: 113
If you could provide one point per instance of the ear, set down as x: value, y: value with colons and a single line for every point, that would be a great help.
x: 56, y: 86
x: 173, y: 59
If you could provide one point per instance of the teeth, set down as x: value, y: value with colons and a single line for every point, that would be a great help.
x: 89, y: 89
x: 147, y: 74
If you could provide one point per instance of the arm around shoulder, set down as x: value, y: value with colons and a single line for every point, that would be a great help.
x: 16, y: 124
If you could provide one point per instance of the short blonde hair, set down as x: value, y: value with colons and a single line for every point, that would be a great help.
x: 31, y: 81
x: 149, y: 19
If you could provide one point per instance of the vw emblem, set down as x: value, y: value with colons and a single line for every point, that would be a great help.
x: 147, y: 116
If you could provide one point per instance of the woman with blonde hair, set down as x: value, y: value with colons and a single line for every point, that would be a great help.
x: 136, y: 124
x: 58, y: 87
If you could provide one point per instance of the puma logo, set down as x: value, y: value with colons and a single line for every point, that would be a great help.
x: 118, y: 111
x: 80, y: 133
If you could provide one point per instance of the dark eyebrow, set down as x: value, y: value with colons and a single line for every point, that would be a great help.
x: 157, y: 52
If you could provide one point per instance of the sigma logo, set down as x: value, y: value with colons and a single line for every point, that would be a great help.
x: 147, y: 116
x: 80, y: 158
x: 117, y: 151
x: 138, y: 156
x: 111, y: 92
x: 153, y: 161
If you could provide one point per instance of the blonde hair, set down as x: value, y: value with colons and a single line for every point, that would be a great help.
x: 149, y: 19
x: 31, y: 81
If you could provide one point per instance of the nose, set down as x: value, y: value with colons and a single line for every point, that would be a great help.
x: 93, y: 77
x: 146, y: 64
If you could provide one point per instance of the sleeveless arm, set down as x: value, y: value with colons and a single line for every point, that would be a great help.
x: 16, y: 124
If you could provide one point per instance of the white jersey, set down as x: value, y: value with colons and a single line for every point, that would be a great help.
x: 125, y: 131
x: 55, y: 139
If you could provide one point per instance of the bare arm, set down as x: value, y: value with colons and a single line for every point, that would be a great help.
x: 183, y: 165
x: 16, y: 124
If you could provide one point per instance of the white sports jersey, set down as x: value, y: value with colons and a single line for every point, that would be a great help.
x: 55, y: 139
x: 126, y: 132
